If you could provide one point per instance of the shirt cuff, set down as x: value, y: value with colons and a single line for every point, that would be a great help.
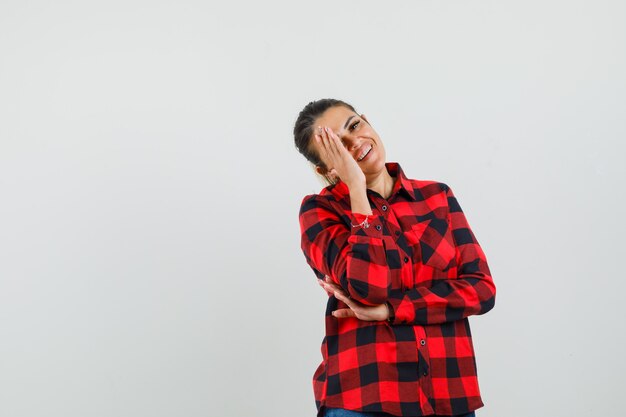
x: 402, y: 306
x: 373, y: 227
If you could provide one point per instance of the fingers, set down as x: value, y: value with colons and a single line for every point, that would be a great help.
x: 331, y: 146
x: 355, y: 309
x: 329, y: 286
x: 340, y: 295
x: 334, y: 142
x: 322, y: 284
x: 332, y: 151
x: 324, y: 151
x: 333, y: 289
x: 343, y: 313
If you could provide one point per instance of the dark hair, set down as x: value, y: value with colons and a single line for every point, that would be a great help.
x: 303, y: 128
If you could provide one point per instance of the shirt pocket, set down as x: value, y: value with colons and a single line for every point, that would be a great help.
x: 432, y: 243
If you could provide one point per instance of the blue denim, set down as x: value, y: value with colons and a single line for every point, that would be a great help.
x: 340, y: 412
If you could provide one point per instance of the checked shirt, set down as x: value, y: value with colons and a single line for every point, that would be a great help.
x: 421, y: 257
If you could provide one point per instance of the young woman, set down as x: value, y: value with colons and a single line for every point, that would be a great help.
x: 403, y: 271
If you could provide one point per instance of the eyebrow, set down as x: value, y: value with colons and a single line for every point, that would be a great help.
x: 348, y: 121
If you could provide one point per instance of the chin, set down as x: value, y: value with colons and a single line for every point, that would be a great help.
x: 380, y: 161
x: 376, y: 167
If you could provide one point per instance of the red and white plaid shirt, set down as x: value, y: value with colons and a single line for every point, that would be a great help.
x: 420, y: 255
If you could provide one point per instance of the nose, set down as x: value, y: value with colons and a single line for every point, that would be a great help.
x: 351, y: 142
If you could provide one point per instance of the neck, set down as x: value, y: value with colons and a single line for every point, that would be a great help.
x: 382, y: 183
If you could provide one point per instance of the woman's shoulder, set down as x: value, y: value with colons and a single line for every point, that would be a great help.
x: 428, y: 187
x: 420, y: 185
x: 322, y: 200
x: 327, y: 195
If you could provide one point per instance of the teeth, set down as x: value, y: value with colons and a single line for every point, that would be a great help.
x: 365, y: 152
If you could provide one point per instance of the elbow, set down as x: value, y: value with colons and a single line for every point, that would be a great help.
x: 487, y: 304
x: 366, y: 293
x: 488, y: 297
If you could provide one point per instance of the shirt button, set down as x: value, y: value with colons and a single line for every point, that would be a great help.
x: 384, y: 208
x: 425, y: 373
x: 406, y: 259
x: 378, y: 227
x: 397, y: 233
x: 422, y: 342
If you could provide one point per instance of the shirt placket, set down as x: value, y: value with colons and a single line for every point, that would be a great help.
x: 423, y: 365
x: 424, y: 385
x: 392, y: 233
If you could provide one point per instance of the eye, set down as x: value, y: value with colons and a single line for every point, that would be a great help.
x: 354, y: 125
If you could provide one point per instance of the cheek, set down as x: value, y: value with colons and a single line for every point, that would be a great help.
x: 381, y: 152
x: 379, y: 145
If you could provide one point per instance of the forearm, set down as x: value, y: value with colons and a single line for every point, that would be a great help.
x: 463, y: 290
x: 358, y: 200
x: 354, y: 257
x: 446, y: 300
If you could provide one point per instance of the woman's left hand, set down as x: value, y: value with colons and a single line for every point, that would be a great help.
x: 356, y: 309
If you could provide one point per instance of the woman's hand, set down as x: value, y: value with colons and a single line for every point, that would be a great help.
x: 356, y: 309
x: 337, y: 158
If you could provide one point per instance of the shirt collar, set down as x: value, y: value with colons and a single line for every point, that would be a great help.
x: 402, y: 184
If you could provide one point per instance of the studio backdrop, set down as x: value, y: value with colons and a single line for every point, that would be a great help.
x: 150, y: 260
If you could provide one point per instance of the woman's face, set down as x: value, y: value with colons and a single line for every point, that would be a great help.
x: 357, y: 136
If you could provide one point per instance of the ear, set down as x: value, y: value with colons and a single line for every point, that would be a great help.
x: 320, y: 170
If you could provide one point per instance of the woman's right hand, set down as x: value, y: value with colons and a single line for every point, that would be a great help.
x: 355, y: 309
x: 337, y: 158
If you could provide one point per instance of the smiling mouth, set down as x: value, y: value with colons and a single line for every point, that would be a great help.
x: 364, y: 153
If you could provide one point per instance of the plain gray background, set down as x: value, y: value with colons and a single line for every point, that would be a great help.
x: 149, y: 191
